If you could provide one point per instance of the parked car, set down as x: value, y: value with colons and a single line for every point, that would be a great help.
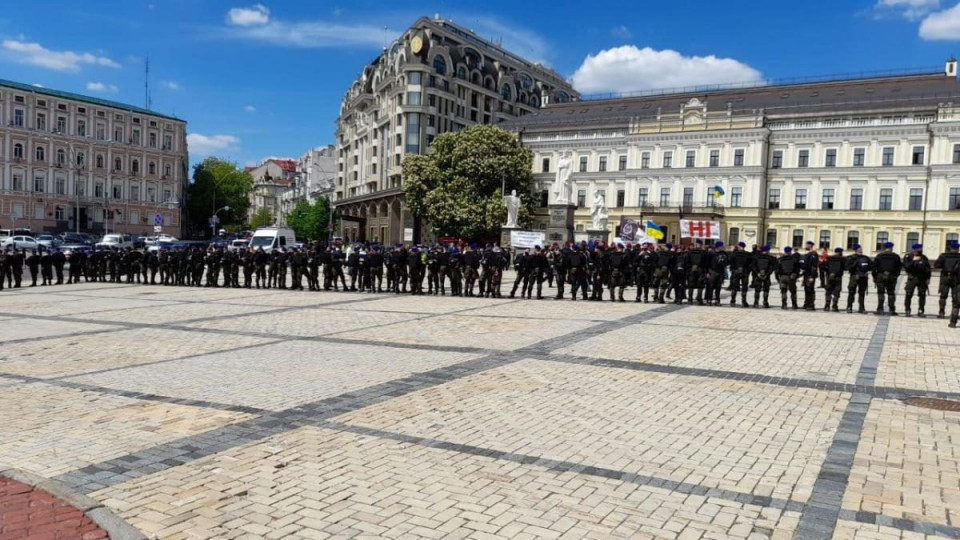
x: 49, y: 241
x: 76, y: 238
x: 70, y: 249
x: 21, y: 242
x: 119, y: 241
x: 239, y: 245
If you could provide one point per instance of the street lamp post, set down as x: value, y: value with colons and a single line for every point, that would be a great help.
x: 214, y: 220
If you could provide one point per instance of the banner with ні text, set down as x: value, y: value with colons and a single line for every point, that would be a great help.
x: 692, y: 228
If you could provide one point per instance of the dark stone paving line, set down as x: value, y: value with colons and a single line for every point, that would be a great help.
x: 904, y: 524
x: 175, y: 453
x: 61, y: 336
x: 765, y: 332
x: 819, y: 518
x: 568, y: 466
x: 134, y: 395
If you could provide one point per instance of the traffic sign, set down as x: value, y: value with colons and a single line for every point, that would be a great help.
x: 158, y: 219
x: 157, y: 228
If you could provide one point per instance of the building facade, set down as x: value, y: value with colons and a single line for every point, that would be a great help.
x: 437, y: 77
x: 70, y: 162
x: 316, y: 177
x: 270, y: 180
x: 859, y: 161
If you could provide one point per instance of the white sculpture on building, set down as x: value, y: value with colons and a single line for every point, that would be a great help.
x: 562, y: 186
x: 598, y: 211
x: 513, y: 207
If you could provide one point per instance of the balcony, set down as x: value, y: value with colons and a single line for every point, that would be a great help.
x: 696, y: 209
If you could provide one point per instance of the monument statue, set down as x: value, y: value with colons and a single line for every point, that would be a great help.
x: 562, y: 186
x: 598, y: 211
x: 513, y: 207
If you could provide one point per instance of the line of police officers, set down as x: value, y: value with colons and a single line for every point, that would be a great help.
x: 695, y: 274
x: 42, y: 262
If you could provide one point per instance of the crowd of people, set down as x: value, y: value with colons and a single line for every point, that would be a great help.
x: 695, y: 274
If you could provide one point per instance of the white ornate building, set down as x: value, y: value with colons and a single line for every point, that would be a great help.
x: 436, y: 77
x: 65, y: 156
x: 271, y: 179
x: 844, y: 162
x: 316, y: 177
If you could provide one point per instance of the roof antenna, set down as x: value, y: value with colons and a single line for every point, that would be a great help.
x: 146, y: 83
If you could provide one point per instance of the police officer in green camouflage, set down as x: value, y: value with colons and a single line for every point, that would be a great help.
x: 948, y: 263
x: 886, y: 269
x: 918, y: 279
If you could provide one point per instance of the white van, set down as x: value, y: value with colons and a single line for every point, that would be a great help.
x: 270, y: 238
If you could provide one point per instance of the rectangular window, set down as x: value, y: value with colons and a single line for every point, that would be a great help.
x: 773, y: 199
x: 153, y: 140
x: 61, y: 124
x: 667, y: 160
x: 167, y: 195
x: 691, y: 158
x: 882, y: 238
x: 734, y: 238
x: 738, y: 157
x: 954, y: 203
x: 38, y: 184
x: 828, y: 199
x: 151, y: 194
x: 59, y: 214
x: 101, y: 132
x: 98, y: 190
x: 856, y: 199
x: 546, y: 164
x: 41, y: 122
x: 603, y: 163
x: 825, y: 239
x: 38, y: 211
x: 853, y: 238
x: 413, y: 98
x: 621, y: 198
x: 714, y: 158
x: 736, y: 197
x: 61, y: 186
x: 830, y: 160
x: 645, y: 160
x: 803, y: 158
x: 18, y: 118
x: 916, y: 199
x: 688, y: 196
x: 134, y: 193
x: 956, y: 154
x: 581, y: 198
x: 951, y: 238
x: 859, y: 156
x: 913, y: 238
x: 622, y: 166
x: 583, y: 163
x: 17, y: 210
x: 544, y: 198
x: 777, y: 159
x: 918, y: 157
x: 886, y: 199
x: 82, y: 128
x: 888, y: 156
x: 643, y: 196
x: 771, y: 237
x: 665, y: 196
x: 118, y: 192
x: 797, y: 238
x: 414, y: 77
x: 800, y: 199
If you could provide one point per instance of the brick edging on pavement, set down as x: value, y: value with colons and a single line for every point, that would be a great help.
x: 116, y: 528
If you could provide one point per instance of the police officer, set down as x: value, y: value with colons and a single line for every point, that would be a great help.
x: 918, y: 269
x: 455, y: 271
x: 33, y: 264
x: 715, y: 273
x: 577, y: 263
x: 886, y: 269
x: 788, y: 270
x: 696, y: 262
x: 763, y: 267
x: 415, y: 263
x: 809, y: 267
x: 536, y: 270
x: 834, y: 267
x: 646, y: 261
x: 471, y: 265
x: 955, y: 312
x: 375, y: 266
x: 740, y: 265
x: 616, y: 263
x: 859, y: 266
x: 661, y: 272
x: 16, y: 268
x: 46, y: 267
x: 521, y: 265
x: 948, y: 263
x: 561, y: 267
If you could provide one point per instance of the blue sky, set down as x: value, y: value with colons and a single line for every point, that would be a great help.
x: 265, y: 79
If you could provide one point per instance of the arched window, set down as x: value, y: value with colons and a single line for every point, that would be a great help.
x: 475, y: 79
x: 18, y: 151
x: 152, y: 168
x: 40, y: 154
x: 562, y: 97
x: 61, y: 157
x: 134, y: 166
x: 461, y: 72
x: 506, y: 92
x: 439, y: 65
x: 534, y: 101
x: 99, y: 161
x: 118, y: 164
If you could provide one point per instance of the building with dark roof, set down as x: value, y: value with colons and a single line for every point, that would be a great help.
x: 70, y: 162
x: 841, y: 161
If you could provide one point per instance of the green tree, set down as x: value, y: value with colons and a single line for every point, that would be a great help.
x: 310, y: 221
x: 217, y: 183
x: 457, y: 187
x: 261, y: 218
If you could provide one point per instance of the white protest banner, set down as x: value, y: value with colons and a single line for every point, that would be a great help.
x: 526, y: 239
x: 691, y: 228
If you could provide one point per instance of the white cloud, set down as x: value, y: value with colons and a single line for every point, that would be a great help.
x: 252, y: 16
x: 38, y: 55
x: 204, y: 145
x: 170, y: 85
x: 942, y: 25
x: 910, y: 9
x: 308, y: 34
x: 526, y: 43
x: 250, y: 108
x: 621, y: 32
x: 628, y: 68
x: 101, y: 87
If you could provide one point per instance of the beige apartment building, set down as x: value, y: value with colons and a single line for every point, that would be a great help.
x: 435, y: 78
x: 70, y: 162
x: 839, y: 162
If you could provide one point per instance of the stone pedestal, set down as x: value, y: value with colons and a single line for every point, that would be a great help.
x: 561, y: 223
x: 599, y: 236
x: 505, y: 234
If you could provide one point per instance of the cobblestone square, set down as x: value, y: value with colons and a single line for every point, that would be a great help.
x: 228, y: 413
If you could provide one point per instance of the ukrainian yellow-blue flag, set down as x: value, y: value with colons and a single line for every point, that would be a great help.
x: 653, y: 231
x: 718, y: 192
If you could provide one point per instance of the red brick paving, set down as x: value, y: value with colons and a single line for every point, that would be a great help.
x: 29, y: 514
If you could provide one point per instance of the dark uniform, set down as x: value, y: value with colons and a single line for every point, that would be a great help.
x: 740, y: 263
x: 918, y: 271
x: 859, y: 266
x: 375, y: 265
x: 716, y: 272
x: 455, y: 271
x: 646, y: 261
x: 810, y: 267
x: 948, y: 263
x: 697, y: 262
x: 886, y: 269
x: 663, y: 265
x: 471, y: 265
x: 788, y: 270
x: 834, y: 267
x: 536, y: 268
x: 33, y: 264
x: 616, y: 268
x: 577, y: 263
x: 522, y: 268
x: 763, y: 267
